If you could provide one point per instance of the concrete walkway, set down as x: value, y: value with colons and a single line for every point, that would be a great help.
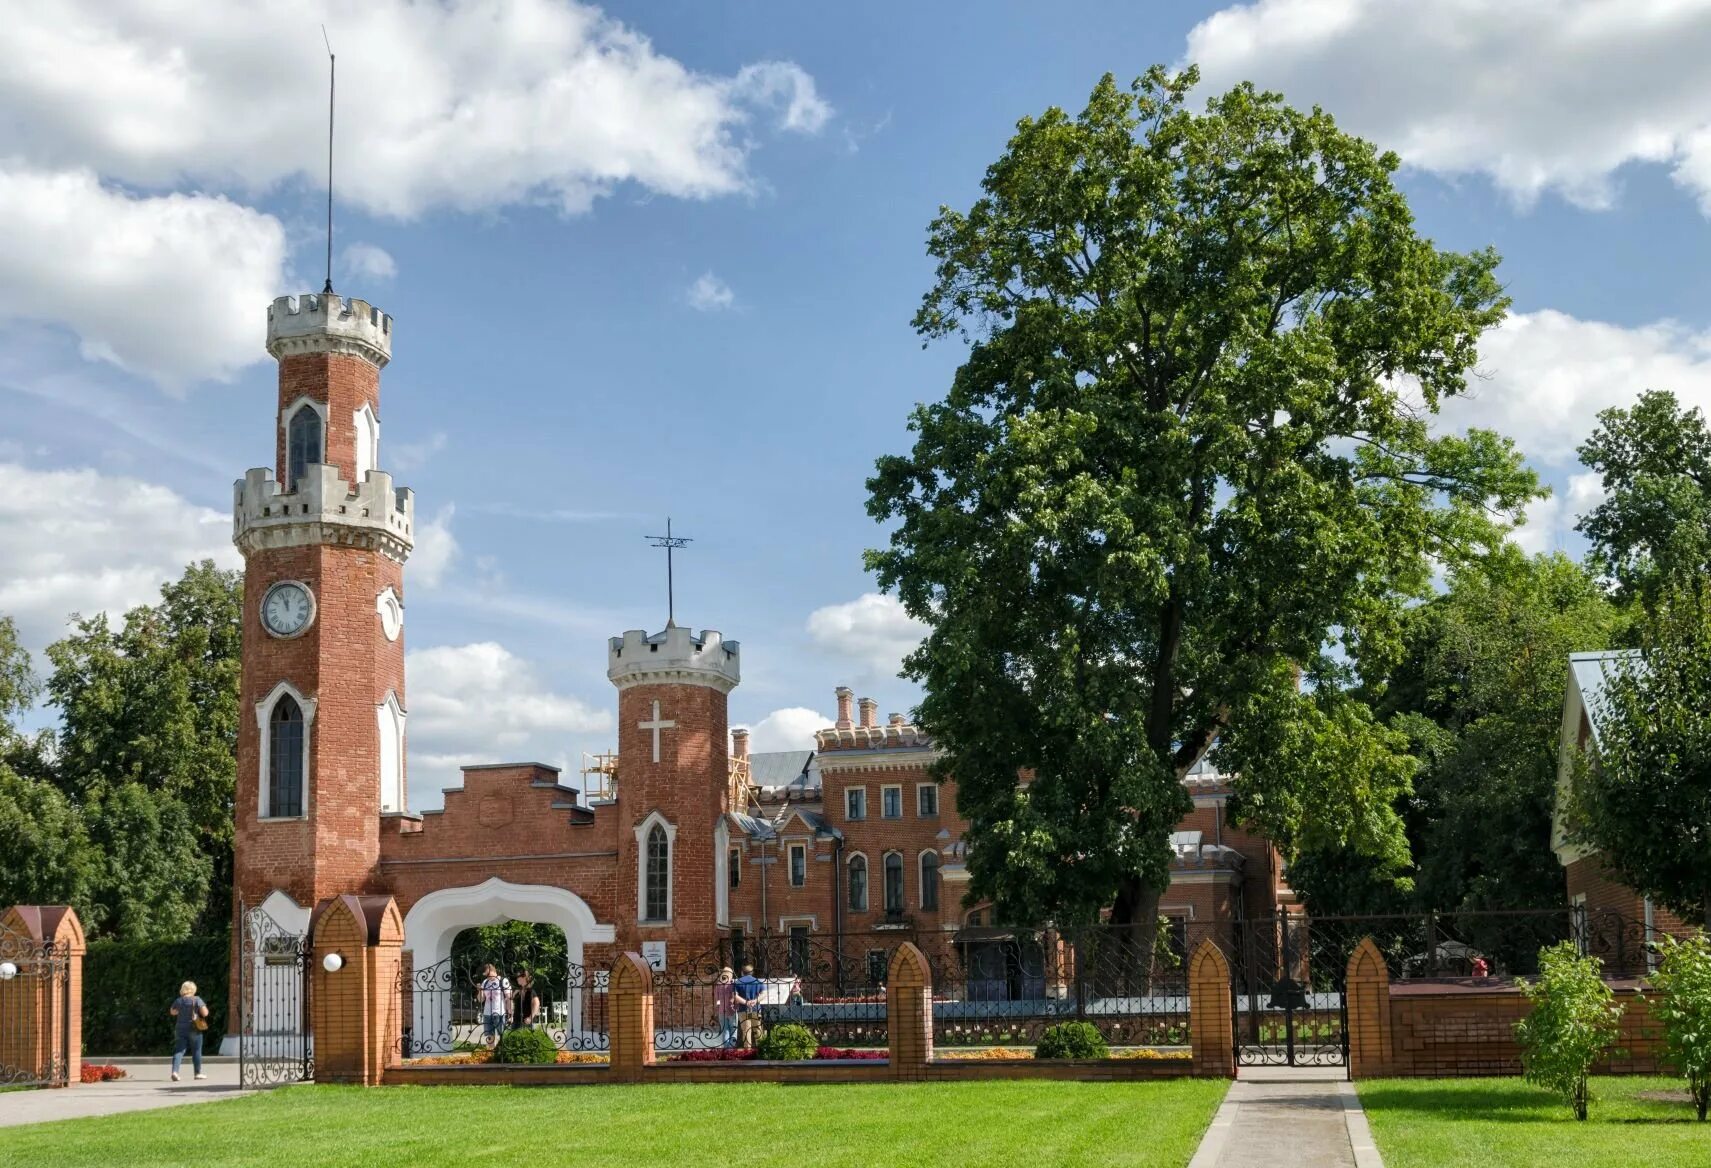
x: 147, y: 1085
x: 1289, y: 1117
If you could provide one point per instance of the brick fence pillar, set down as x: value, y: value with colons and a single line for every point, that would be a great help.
x: 1210, y: 1025
x: 1366, y: 1001
x: 909, y: 1012
x: 630, y: 1017
x: 354, y: 1012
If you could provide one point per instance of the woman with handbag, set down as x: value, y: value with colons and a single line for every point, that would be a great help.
x: 190, y: 1016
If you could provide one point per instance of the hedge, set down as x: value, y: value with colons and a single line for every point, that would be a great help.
x: 129, y: 985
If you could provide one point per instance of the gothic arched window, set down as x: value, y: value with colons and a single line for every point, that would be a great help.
x: 858, y: 883
x: 656, y: 899
x: 302, y: 443
x: 893, y: 883
x: 285, y: 759
x: 929, y: 880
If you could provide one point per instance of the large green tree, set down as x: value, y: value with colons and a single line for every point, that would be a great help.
x: 1643, y: 798
x: 1654, y: 524
x: 1184, y: 477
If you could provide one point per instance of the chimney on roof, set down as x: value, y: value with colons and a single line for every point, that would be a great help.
x: 896, y: 719
x: 846, y: 696
x: 740, y: 742
x: 869, y: 713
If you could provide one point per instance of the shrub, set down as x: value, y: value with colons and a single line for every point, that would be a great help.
x: 526, y: 1046
x: 1573, y: 1022
x: 128, y: 985
x: 1072, y: 1040
x: 1682, y: 1006
x: 838, y: 1052
x: 713, y: 1054
x: 788, y: 1042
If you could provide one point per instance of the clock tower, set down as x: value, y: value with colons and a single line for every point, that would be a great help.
x: 324, y: 535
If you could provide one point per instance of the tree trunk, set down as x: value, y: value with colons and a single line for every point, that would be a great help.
x: 1134, y: 932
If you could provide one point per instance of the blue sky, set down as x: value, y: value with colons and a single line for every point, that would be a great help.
x: 661, y: 259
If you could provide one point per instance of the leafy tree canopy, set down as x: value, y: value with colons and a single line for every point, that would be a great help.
x: 1185, y: 467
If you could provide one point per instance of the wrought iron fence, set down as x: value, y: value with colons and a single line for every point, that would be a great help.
x: 35, y: 1016
x: 274, y: 1043
x: 441, y: 1008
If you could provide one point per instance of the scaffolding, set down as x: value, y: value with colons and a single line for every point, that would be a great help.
x: 599, y: 775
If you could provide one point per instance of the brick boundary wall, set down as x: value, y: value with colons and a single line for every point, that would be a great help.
x: 33, y: 1011
x: 1465, y: 1027
x: 909, y: 1013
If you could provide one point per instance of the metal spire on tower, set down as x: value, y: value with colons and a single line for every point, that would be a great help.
x: 332, y: 82
x: 670, y: 543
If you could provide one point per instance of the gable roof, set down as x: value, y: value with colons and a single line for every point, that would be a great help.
x: 1588, y: 675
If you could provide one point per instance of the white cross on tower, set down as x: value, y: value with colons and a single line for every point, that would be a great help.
x: 656, y: 726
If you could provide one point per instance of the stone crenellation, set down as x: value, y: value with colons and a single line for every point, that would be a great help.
x: 327, y: 323
x: 675, y: 654
x: 324, y: 508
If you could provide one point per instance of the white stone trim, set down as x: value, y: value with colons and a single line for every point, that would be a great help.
x: 883, y: 788
x: 790, y: 850
x: 903, y: 872
x: 367, y: 442
x: 937, y: 800
x: 264, y: 725
x: 862, y: 818
x: 722, y: 874
x: 390, y: 717
x: 867, y: 882
x: 642, y: 830
x: 921, y: 878
x: 285, y: 416
x: 391, y: 612
x: 858, y: 761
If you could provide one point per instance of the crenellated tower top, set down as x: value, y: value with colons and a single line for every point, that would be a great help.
x: 675, y: 655
x: 327, y: 323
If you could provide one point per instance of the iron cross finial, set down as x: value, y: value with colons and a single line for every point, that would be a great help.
x: 670, y: 543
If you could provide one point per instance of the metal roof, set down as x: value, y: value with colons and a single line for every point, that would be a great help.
x: 779, y: 768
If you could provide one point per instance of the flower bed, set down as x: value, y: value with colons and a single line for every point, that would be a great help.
x: 732, y: 1055
x: 477, y: 1057
x: 1018, y: 1053
x: 101, y: 1072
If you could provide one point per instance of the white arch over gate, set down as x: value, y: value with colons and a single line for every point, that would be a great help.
x: 434, y: 922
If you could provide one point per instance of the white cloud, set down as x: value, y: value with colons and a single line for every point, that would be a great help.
x: 1540, y: 95
x: 435, y: 549
x: 872, y: 630
x: 1546, y: 375
x: 81, y: 541
x: 1549, y: 525
x: 791, y: 728
x: 408, y: 456
x: 711, y: 294
x: 172, y: 287
x: 464, y: 104
x: 481, y: 703
x: 365, y: 261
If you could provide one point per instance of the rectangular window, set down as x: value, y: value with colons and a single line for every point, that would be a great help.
x: 737, y: 950
x: 891, y: 802
x: 855, y: 803
x: 927, y: 800
x: 799, y: 950
x: 734, y: 861
x: 798, y: 865
x: 876, y: 967
x: 894, y: 884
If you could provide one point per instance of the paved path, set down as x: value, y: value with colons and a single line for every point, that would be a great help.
x: 1289, y: 1117
x: 145, y: 1086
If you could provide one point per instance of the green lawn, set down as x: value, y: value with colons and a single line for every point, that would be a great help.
x: 1425, y: 1123
x: 1021, y: 1124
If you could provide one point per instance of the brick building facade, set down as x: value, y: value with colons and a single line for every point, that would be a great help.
x: 695, y: 844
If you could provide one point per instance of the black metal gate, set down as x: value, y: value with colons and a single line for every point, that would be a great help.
x: 35, y: 1011
x: 1286, y: 983
x: 274, y: 1043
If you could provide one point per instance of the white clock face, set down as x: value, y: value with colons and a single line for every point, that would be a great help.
x: 287, y: 609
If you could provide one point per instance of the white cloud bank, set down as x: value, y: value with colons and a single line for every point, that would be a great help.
x: 1539, y: 95
x: 171, y: 288
x: 465, y: 104
x: 81, y: 541
x: 711, y: 294
x: 481, y: 703
x: 791, y: 728
x: 872, y: 631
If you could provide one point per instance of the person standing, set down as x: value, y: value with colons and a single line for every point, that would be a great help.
x: 725, y: 1008
x: 494, y: 994
x: 746, y: 993
x: 525, y: 1001
x: 190, y: 1019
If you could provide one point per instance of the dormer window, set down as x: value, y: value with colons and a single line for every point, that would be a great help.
x: 304, y: 443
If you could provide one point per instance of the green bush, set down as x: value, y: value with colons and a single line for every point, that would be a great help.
x: 1072, y: 1040
x: 1682, y: 1006
x: 526, y: 1046
x: 1573, y: 1021
x: 128, y: 986
x: 789, y: 1042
